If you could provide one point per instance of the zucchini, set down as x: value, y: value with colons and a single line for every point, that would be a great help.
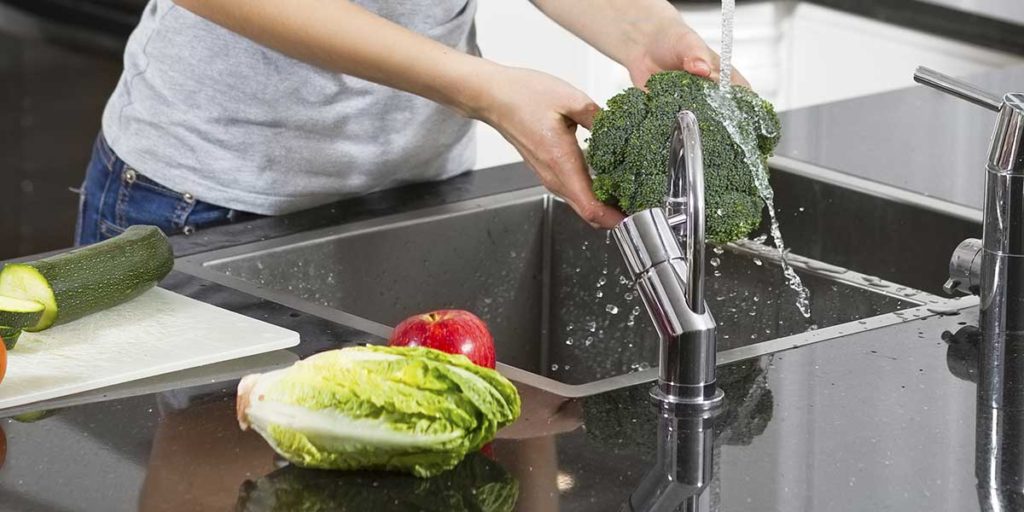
x: 92, y: 278
x: 19, y: 313
x: 10, y: 336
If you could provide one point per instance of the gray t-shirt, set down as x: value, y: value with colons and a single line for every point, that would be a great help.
x: 202, y: 110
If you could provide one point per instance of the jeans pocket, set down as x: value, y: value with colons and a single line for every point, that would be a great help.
x: 140, y: 200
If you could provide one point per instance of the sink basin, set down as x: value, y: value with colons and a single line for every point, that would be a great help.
x: 551, y: 289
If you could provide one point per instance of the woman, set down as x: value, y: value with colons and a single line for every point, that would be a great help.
x: 229, y: 108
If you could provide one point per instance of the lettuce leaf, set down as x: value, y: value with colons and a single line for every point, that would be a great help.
x: 408, y: 409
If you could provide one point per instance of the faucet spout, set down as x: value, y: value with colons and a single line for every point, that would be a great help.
x: 667, y: 265
x: 685, y: 202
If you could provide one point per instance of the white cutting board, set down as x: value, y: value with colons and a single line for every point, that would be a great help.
x: 156, y: 333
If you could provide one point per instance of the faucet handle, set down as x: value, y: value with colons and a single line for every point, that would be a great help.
x: 645, y: 240
x: 965, y: 268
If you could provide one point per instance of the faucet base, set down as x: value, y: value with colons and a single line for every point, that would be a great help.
x: 680, y: 404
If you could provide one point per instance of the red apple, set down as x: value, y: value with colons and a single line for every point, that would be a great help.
x: 449, y: 330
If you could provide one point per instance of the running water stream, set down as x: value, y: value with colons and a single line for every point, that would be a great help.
x: 747, y: 140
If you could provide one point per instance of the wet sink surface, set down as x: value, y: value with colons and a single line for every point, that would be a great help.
x: 551, y: 289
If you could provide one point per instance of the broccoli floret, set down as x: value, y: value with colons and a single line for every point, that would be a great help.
x: 630, y: 141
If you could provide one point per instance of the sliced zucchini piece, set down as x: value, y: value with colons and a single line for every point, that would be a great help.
x: 19, y: 313
x: 10, y: 336
x: 92, y: 278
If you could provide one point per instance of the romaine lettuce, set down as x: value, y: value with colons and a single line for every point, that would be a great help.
x: 393, y: 408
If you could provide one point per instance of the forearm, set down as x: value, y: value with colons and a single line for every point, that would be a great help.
x: 617, y: 28
x: 343, y: 37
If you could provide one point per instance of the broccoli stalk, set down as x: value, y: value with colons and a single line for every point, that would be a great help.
x: 629, y: 147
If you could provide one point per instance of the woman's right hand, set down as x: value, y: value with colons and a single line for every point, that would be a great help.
x: 538, y: 113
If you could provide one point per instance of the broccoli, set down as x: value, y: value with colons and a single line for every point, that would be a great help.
x: 629, y: 142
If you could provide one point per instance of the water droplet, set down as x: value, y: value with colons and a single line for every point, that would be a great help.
x: 588, y: 341
x: 719, y: 212
x: 591, y: 326
x: 568, y: 341
x: 570, y: 327
x: 612, y: 308
x: 601, y: 281
x: 636, y: 310
x: 758, y: 262
x: 715, y: 262
x: 567, y: 367
x: 599, y: 294
x: 718, y: 249
x: 628, y: 296
x: 718, y: 273
x: 757, y: 299
x: 554, y: 367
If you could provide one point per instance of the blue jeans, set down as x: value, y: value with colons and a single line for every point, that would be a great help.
x: 114, y: 196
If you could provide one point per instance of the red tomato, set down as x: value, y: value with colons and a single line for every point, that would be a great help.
x: 3, y: 359
x: 450, y: 330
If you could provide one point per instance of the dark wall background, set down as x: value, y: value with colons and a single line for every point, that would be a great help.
x: 59, y: 61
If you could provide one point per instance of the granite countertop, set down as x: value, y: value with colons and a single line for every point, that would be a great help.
x: 880, y: 420
x: 916, y: 139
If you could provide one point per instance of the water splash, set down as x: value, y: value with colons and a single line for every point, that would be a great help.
x: 729, y: 115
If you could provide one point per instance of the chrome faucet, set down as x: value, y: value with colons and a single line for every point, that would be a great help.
x: 994, y: 267
x: 664, y: 252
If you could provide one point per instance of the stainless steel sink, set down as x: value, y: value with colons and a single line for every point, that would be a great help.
x: 552, y: 289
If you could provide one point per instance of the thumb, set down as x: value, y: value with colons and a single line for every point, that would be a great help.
x: 582, y: 111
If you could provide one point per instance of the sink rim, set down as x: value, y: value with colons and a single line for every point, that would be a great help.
x: 198, y: 265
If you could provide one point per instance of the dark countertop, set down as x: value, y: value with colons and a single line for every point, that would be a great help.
x: 915, y: 139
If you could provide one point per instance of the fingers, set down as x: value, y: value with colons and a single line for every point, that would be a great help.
x: 699, y: 66
x: 564, y: 173
x: 580, y: 196
x: 582, y: 111
x: 591, y: 210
